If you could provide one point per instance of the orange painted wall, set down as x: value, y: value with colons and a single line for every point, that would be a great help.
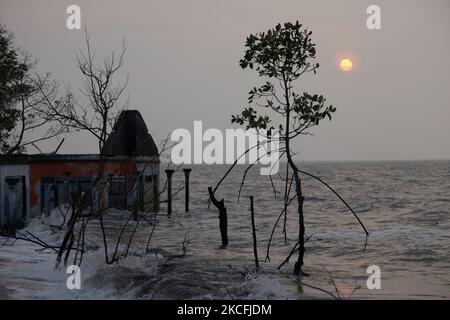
x: 84, y: 168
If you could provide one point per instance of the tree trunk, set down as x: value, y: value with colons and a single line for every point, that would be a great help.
x: 301, y: 221
x: 301, y: 227
x: 298, y: 182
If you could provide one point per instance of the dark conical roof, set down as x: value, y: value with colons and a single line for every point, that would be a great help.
x: 130, y: 137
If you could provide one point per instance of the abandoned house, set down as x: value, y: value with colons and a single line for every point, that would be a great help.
x: 34, y: 184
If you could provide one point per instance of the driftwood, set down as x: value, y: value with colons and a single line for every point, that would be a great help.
x: 223, y: 221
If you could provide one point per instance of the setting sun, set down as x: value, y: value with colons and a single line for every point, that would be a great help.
x: 346, y: 65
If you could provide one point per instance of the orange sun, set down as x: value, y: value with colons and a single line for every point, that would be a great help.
x: 346, y: 65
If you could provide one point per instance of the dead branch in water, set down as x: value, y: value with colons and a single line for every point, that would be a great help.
x: 28, y: 237
x: 274, y: 227
x: 294, y: 250
x: 186, y: 242
x: 223, y: 221
x: 246, y: 172
x: 232, y: 167
x: 255, y: 247
x: 338, y: 195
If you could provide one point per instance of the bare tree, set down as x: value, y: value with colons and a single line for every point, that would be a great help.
x: 33, y: 126
x: 103, y: 95
x: 96, y: 114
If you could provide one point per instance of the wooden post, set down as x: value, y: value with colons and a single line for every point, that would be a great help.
x: 223, y: 221
x: 186, y: 189
x: 255, y: 248
x: 169, y: 191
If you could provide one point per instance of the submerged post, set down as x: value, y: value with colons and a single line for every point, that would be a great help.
x: 169, y: 191
x: 223, y: 221
x: 255, y: 248
x: 186, y: 189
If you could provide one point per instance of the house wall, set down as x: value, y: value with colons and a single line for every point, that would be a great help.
x: 150, y: 189
x: 11, y: 170
x: 88, y: 168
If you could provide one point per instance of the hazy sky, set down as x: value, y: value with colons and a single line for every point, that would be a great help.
x: 182, y: 62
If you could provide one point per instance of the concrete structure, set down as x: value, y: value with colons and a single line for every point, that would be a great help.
x: 35, y: 184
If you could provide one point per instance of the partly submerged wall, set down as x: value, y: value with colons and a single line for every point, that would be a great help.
x: 84, y: 169
x: 14, y: 197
